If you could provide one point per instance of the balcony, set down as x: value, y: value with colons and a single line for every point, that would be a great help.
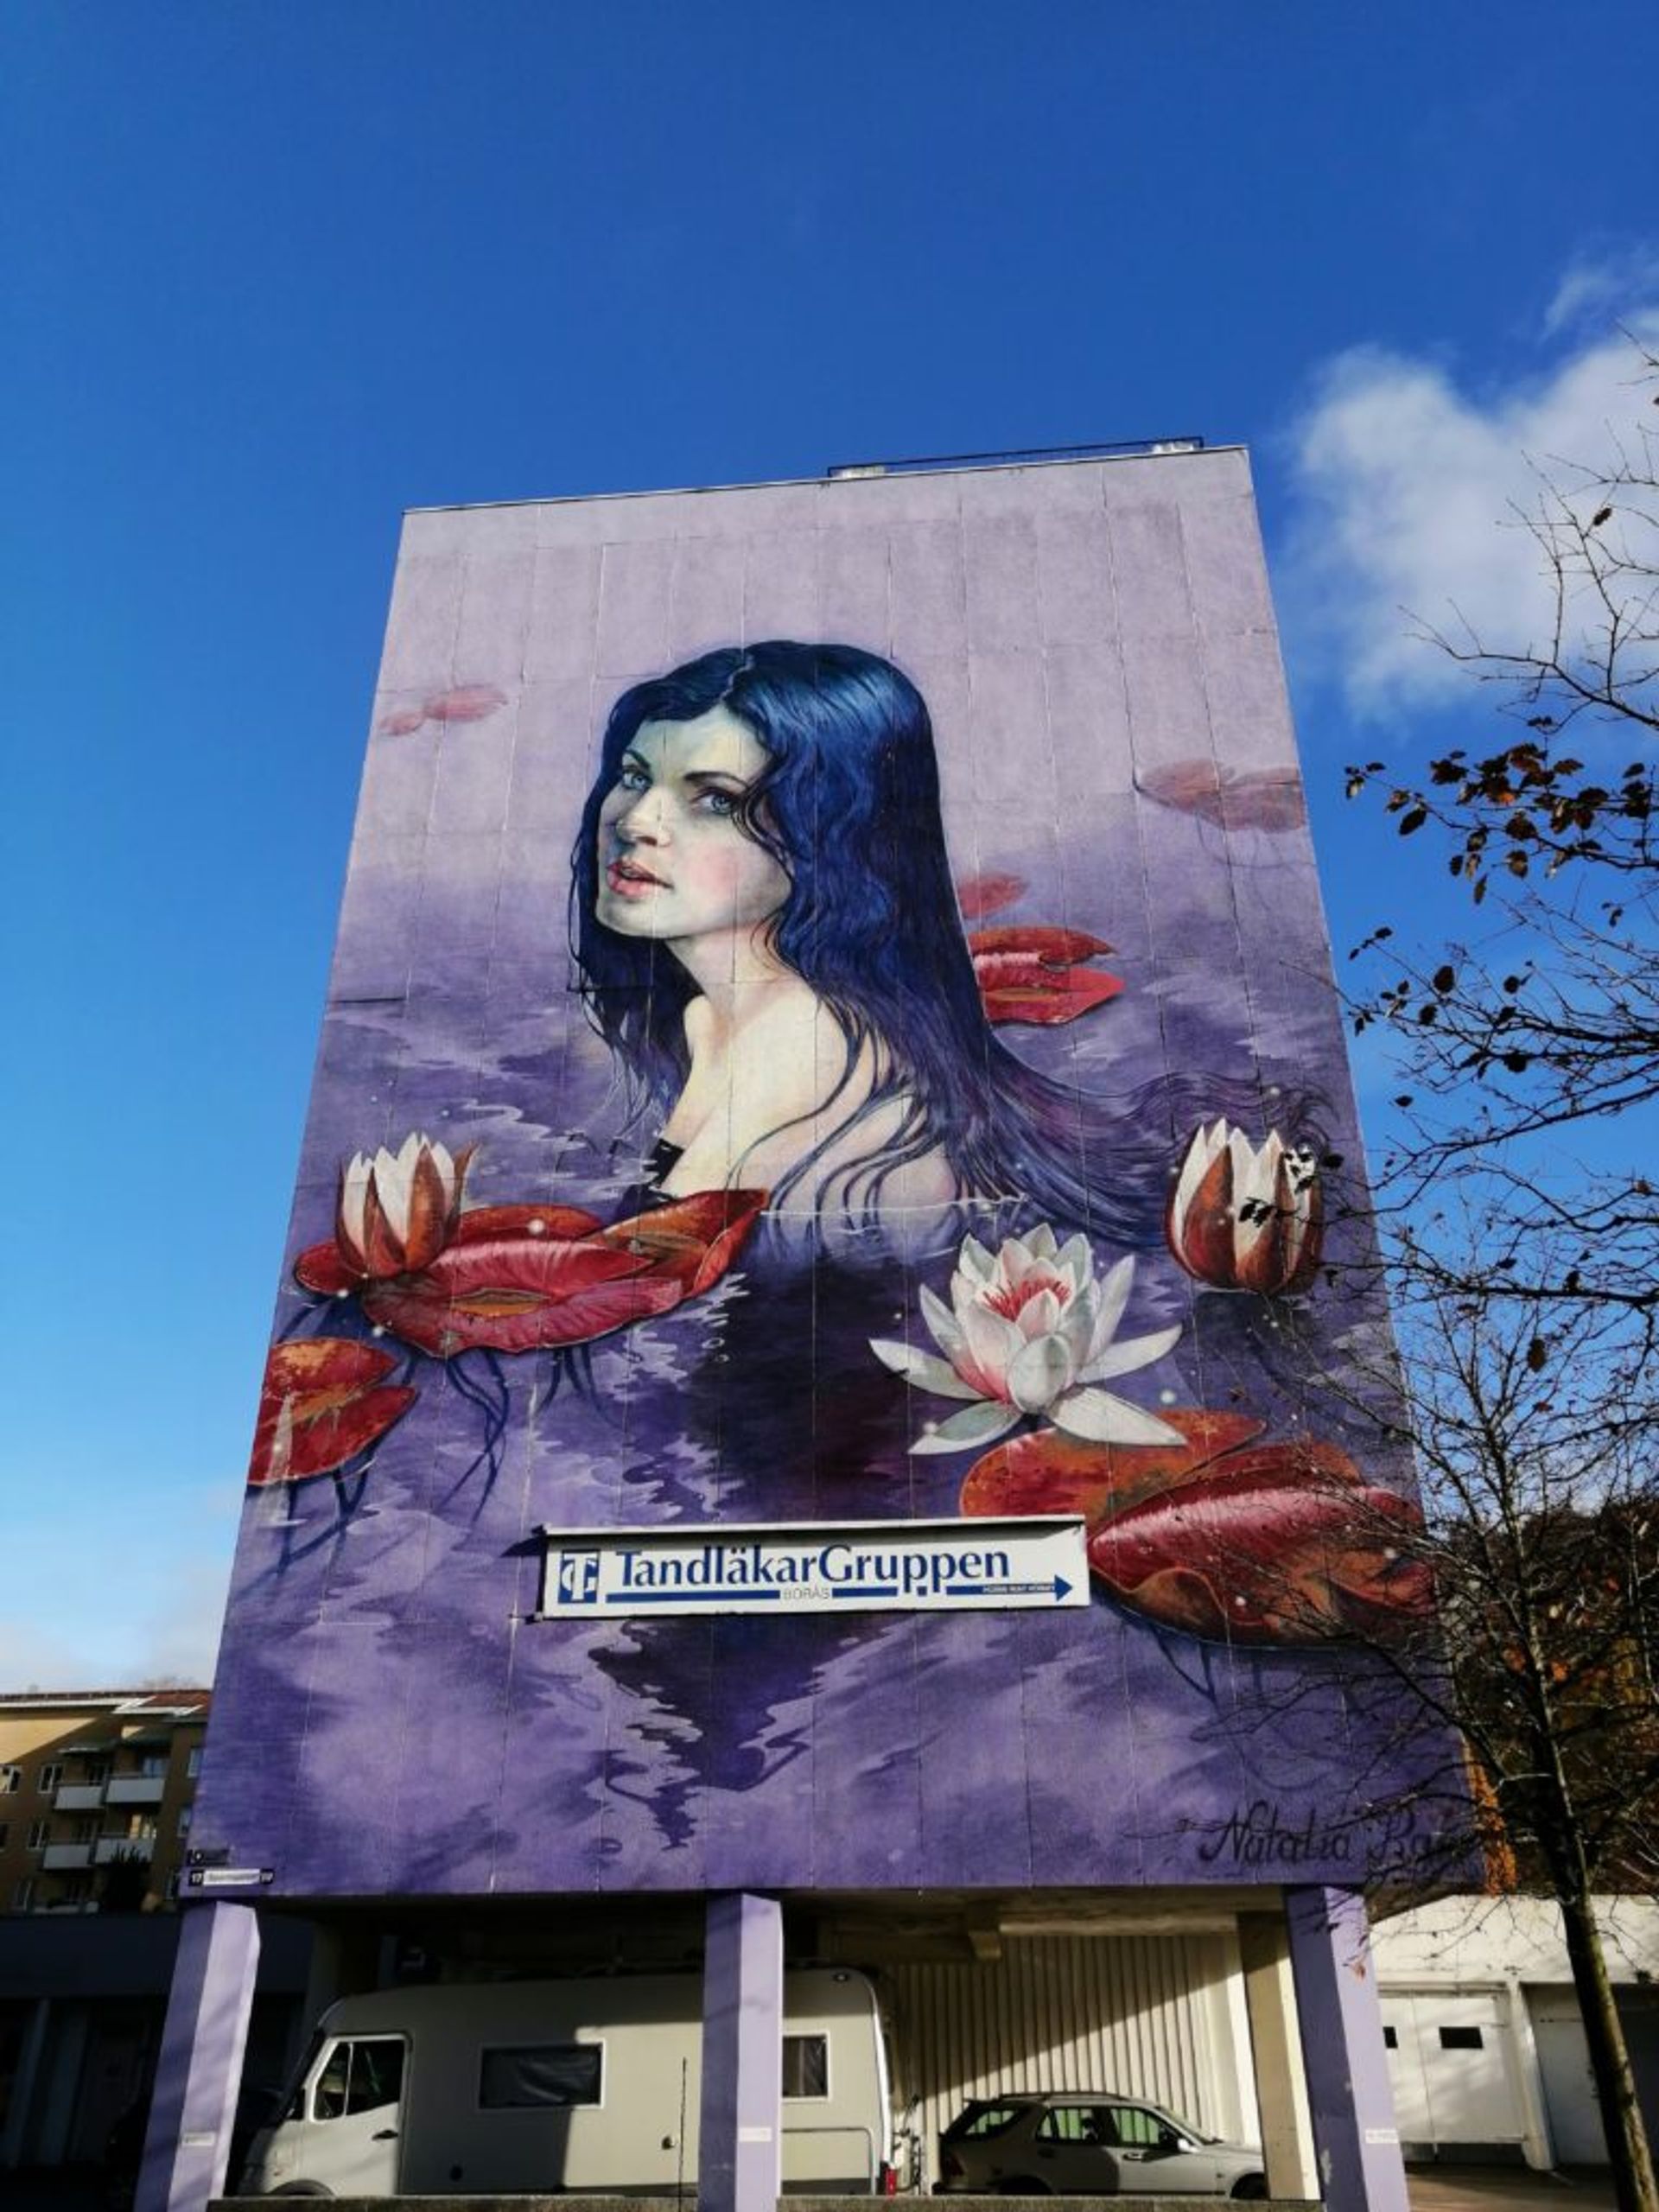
x: 79, y: 1797
x: 66, y: 1858
x: 134, y: 1790
x: 109, y: 1848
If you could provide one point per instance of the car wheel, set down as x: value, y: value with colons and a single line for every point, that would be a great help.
x: 1253, y: 2186
x: 303, y: 2189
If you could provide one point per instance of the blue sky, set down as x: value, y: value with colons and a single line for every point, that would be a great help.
x: 275, y: 273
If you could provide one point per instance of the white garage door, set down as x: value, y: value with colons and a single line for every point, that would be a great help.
x: 1575, y: 2129
x: 1450, y: 2070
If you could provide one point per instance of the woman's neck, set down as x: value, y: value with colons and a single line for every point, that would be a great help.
x: 737, y: 974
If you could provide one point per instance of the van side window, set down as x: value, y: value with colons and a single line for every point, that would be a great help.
x: 527, y: 2077
x: 806, y: 2066
x: 360, y: 2076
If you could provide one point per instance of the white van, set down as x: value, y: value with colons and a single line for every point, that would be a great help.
x: 470, y: 2089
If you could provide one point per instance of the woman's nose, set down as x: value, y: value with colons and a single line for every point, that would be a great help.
x: 645, y: 823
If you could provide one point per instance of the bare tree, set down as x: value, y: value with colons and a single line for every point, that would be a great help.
x: 1527, y: 1314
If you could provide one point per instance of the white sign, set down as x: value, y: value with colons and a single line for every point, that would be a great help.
x: 228, y: 1877
x: 837, y: 1566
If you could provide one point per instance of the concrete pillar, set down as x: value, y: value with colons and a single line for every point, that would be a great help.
x: 200, y: 2069
x: 740, y: 2158
x: 1343, y: 2058
x: 1270, y: 2006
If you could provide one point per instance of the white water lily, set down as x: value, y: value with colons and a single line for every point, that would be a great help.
x: 397, y: 1210
x: 1030, y: 1329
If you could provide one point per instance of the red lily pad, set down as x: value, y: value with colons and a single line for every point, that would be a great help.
x: 326, y: 1269
x: 979, y: 895
x: 516, y: 1291
x: 466, y: 702
x: 1054, y: 947
x: 1028, y: 991
x: 1052, y: 1473
x: 463, y: 703
x: 1224, y: 1536
x: 323, y: 1400
x: 1238, y: 798
x: 1033, y: 972
x: 1262, y: 1553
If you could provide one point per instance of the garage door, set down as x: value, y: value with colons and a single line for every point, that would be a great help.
x: 1575, y: 2131
x: 1451, y: 2072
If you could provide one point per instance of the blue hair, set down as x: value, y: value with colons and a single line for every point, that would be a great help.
x: 848, y: 805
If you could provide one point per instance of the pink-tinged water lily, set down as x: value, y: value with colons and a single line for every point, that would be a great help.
x: 397, y: 1210
x: 1246, y: 1216
x: 1030, y: 1329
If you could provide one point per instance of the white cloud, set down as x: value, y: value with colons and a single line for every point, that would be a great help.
x: 1599, y: 289
x: 1411, y: 494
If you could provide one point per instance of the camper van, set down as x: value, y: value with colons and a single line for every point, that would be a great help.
x: 469, y: 2090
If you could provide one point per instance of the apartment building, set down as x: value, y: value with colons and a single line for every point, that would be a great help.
x: 96, y: 1788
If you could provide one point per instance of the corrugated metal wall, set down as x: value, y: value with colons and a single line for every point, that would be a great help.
x: 1146, y: 2014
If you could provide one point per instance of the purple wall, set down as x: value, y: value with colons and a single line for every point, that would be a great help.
x: 1096, y: 646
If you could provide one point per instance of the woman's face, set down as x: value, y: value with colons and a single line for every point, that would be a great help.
x: 673, y: 863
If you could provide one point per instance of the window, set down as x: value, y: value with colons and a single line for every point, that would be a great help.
x: 153, y: 1766
x: 360, y: 2076
x: 5, y: 1834
x: 1075, y: 2124
x: 1390, y: 2039
x: 980, y: 2122
x: 525, y: 2076
x: 184, y: 1820
x: 38, y: 1832
x: 806, y: 2066
x: 23, y: 1895
x: 1138, y: 2128
x: 193, y: 1763
x: 11, y: 1779
x: 1460, y: 2039
x: 49, y: 1777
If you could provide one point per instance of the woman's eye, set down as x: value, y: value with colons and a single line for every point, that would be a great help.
x: 720, y: 802
x: 633, y: 779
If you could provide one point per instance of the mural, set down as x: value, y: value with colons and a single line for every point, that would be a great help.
x: 831, y: 1022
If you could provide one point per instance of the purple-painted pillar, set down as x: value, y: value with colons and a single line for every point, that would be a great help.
x: 200, y: 2069
x: 1343, y: 2058
x: 739, y: 2156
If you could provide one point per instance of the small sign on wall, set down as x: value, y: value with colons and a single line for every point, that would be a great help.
x: 837, y: 1566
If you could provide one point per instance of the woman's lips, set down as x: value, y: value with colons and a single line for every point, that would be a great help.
x: 629, y: 880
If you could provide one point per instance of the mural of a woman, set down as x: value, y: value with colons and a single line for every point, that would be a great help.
x: 768, y: 938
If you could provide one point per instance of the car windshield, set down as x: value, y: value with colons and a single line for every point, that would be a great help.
x: 1194, y: 2134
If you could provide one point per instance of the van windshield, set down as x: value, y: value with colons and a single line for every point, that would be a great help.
x: 293, y: 2094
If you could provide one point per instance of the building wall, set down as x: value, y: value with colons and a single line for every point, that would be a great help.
x: 87, y: 1776
x: 1106, y: 926
x: 1488, y: 2053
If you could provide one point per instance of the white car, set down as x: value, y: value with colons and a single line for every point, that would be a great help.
x: 1089, y: 2143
